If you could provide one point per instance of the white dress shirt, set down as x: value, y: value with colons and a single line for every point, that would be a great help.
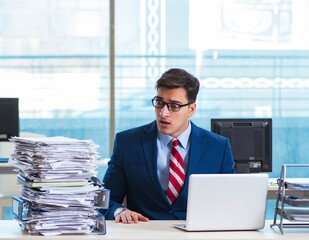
x: 164, y: 146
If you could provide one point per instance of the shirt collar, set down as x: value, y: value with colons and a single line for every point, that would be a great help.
x: 183, y: 138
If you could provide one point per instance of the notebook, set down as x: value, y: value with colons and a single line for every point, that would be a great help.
x: 222, y: 202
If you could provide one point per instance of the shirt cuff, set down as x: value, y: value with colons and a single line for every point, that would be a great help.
x: 118, y: 211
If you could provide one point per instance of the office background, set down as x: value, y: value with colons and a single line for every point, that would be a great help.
x: 251, y: 57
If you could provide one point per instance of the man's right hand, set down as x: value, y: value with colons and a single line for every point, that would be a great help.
x: 127, y: 216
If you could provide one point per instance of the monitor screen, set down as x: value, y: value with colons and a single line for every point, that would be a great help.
x: 251, y: 142
x: 9, y: 118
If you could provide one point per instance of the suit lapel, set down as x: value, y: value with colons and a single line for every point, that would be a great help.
x: 197, y: 147
x: 149, y: 142
x: 197, y: 142
x: 150, y: 151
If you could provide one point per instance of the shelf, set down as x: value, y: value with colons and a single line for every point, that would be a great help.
x: 295, y: 214
x: 294, y: 207
x: 297, y: 186
x: 296, y: 201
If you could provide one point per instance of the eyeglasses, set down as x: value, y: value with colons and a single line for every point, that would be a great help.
x: 174, y: 107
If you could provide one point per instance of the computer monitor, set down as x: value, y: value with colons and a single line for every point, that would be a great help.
x: 251, y: 142
x: 9, y: 118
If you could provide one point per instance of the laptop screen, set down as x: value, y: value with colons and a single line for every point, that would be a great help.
x: 226, y: 202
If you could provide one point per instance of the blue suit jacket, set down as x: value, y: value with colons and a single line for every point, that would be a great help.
x: 132, y: 170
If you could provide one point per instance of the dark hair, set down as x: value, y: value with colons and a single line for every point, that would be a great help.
x: 179, y: 78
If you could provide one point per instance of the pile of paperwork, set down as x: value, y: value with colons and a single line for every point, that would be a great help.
x: 54, y: 174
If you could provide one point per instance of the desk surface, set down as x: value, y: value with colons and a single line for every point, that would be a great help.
x: 5, y: 168
x: 9, y: 229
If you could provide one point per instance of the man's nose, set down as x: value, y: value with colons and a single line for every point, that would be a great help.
x: 164, y: 111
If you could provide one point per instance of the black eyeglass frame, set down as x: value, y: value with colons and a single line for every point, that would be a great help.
x: 179, y: 106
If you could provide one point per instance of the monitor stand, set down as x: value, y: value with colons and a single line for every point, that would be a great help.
x: 242, y: 167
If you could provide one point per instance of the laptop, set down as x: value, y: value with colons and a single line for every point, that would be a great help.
x: 223, y: 202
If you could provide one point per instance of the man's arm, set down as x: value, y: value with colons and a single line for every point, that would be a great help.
x: 115, y: 180
x: 228, y: 161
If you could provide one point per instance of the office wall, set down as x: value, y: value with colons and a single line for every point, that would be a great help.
x: 58, y: 67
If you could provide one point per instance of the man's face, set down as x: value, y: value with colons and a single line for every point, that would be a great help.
x: 169, y: 122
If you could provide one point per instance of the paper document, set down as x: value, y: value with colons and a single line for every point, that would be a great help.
x: 54, y: 176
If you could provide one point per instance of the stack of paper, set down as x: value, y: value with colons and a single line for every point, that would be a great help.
x: 54, y: 174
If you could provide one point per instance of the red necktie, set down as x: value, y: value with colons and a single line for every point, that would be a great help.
x: 176, y: 173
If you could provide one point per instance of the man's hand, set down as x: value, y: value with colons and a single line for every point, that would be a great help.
x: 128, y: 216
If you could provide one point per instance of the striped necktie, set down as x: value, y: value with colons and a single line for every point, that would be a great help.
x: 176, y: 173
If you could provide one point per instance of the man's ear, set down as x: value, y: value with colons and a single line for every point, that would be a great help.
x: 192, y: 108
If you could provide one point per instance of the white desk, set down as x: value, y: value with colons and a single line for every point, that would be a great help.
x: 154, y: 230
x: 5, y: 168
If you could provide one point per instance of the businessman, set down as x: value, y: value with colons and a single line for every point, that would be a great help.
x: 150, y: 165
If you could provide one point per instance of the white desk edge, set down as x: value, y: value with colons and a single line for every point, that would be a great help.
x: 157, y: 230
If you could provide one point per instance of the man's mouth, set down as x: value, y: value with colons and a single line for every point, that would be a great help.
x: 164, y: 122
